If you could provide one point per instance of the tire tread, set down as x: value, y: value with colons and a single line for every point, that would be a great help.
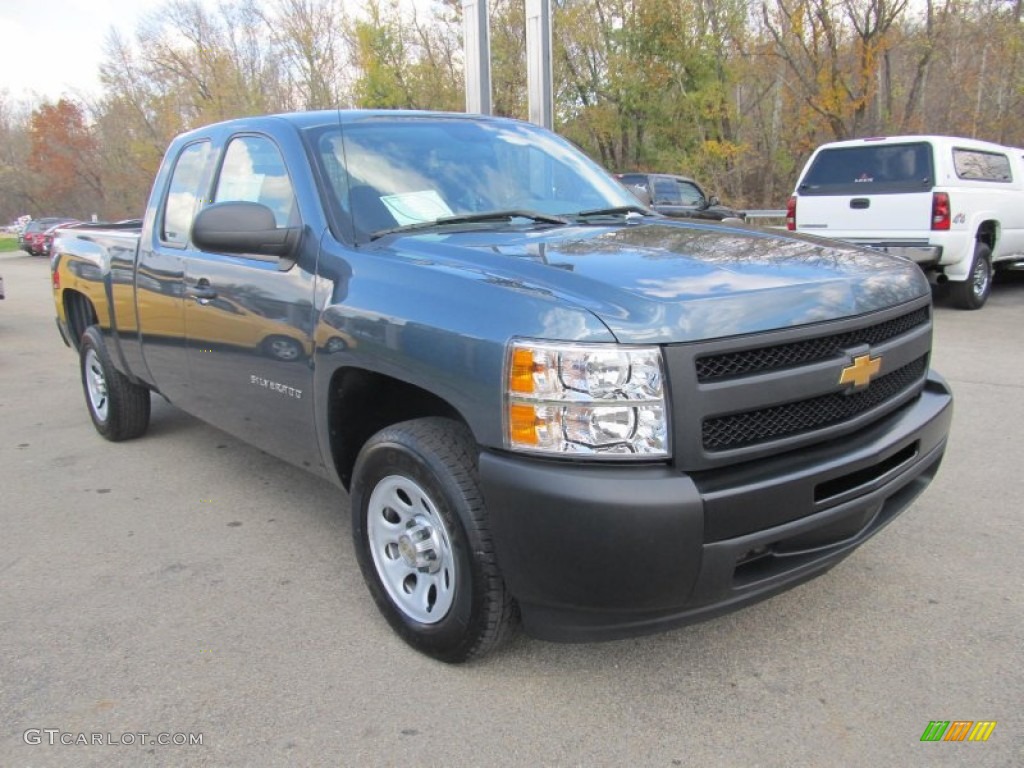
x: 452, y: 443
x: 128, y: 404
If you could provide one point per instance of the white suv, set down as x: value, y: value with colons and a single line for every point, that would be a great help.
x: 955, y: 206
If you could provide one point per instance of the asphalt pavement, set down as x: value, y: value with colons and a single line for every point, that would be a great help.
x: 186, y: 587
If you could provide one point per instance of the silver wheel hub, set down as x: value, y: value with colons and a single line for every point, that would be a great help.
x: 981, y: 277
x: 285, y: 350
x: 411, y: 549
x: 96, y: 385
x: 420, y: 546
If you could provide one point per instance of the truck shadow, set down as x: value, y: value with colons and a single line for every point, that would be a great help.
x: 1008, y: 285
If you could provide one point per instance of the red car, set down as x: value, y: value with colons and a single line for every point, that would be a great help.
x: 37, y: 229
x: 47, y: 239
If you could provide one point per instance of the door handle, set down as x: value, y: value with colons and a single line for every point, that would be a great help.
x: 201, y: 291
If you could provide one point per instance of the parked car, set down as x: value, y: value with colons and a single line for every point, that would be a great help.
x: 677, y: 196
x: 545, y: 401
x: 32, y: 238
x: 47, y: 240
x: 953, y: 205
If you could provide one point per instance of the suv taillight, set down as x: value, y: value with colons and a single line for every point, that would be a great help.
x: 940, y: 210
x: 791, y: 213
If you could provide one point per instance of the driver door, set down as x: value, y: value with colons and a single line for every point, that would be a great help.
x: 249, y: 317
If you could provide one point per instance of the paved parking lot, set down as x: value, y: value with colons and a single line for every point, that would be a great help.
x: 187, y: 584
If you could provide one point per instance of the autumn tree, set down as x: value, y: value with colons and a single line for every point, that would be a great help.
x: 734, y: 92
x: 406, y: 58
x: 15, y: 145
x: 64, y: 160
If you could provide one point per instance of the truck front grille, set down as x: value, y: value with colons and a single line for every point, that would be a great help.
x: 752, y: 361
x: 739, y: 430
x: 742, y: 398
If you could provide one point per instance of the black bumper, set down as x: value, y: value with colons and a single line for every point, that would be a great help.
x: 598, y: 553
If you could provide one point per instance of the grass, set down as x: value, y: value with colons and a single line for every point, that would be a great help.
x: 8, y: 243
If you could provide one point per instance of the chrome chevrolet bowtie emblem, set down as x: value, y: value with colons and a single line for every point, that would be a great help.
x: 860, y: 373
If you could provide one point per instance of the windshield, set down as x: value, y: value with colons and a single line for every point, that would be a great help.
x: 390, y: 172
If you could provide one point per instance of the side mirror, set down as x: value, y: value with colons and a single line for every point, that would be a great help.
x: 244, y: 228
x: 713, y: 201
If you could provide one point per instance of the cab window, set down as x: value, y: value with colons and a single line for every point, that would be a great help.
x: 180, y: 205
x: 690, y: 194
x: 981, y: 166
x: 666, y: 191
x: 254, y: 171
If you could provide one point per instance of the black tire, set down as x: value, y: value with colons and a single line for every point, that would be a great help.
x: 417, y: 510
x: 118, y: 407
x: 283, y: 348
x: 973, y: 292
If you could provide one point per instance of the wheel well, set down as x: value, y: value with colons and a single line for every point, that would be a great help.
x: 80, y: 314
x: 987, y: 233
x: 362, y: 403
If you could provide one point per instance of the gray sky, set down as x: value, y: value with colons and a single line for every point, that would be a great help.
x: 50, y: 47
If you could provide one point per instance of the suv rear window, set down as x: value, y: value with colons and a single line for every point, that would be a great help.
x: 871, y: 169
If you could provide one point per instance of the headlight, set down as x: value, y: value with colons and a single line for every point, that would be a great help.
x: 600, y: 400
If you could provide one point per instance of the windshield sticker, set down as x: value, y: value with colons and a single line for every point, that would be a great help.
x: 414, y: 207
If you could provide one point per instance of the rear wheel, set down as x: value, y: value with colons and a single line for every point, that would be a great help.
x: 119, y: 408
x: 973, y: 292
x: 421, y: 537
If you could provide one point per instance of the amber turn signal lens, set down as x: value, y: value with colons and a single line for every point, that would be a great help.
x: 523, y: 424
x: 522, y: 371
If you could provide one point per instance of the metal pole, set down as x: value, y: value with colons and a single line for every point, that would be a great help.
x: 539, y: 76
x: 477, y: 36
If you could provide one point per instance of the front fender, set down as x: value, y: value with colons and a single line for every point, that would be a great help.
x: 441, y: 330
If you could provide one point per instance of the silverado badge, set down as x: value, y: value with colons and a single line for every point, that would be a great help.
x: 859, y: 374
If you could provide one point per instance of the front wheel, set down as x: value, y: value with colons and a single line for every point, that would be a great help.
x: 119, y: 408
x: 973, y: 292
x: 283, y: 348
x: 422, y: 541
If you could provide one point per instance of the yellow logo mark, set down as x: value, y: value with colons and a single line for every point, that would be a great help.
x: 982, y: 730
x: 860, y: 373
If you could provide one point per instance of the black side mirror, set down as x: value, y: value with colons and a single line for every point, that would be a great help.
x: 713, y: 201
x: 244, y: 228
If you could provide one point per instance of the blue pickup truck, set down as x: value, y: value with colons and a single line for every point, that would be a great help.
x: 546, y: 402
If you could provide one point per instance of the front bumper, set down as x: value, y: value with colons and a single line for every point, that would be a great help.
x: 603, y: 552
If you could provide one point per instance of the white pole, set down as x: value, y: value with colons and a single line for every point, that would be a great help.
x: 539, y: 77
x: 477, y: 45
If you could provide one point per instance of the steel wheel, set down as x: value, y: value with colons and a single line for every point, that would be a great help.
x: 423, y: 543
x: 411, y: 549
x: 981, y: 276
x: 973, y: 292
x: 283, y: 348
x: 96, y: 385
x: 118, y: 407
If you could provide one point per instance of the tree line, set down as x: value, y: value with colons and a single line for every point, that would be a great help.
x: 734, y: 92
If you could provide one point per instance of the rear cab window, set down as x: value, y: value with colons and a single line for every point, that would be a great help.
x: 975, y: 165
x: 870, y: 169
x: 183, y: 194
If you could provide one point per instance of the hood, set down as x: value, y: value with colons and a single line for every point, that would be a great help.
x: 675, y: 282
